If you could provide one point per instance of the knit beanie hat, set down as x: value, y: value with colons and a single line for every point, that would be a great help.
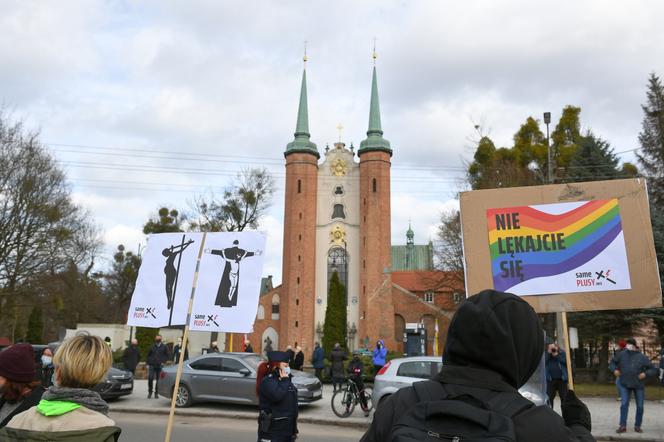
x: 17, y: 363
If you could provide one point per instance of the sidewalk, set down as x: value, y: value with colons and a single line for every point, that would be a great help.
x: 604, y: 412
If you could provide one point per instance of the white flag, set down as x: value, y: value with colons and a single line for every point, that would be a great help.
x: 163, y: 287
x: 229, y: 282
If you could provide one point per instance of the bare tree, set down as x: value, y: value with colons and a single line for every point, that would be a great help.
x: 242, y: 205
x: 41, y: 230
x: 449, y: 254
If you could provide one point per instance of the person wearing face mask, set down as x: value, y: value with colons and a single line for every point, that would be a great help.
x: 19, y: 390
x: 131, y: 356
x: 277, y: 400
x: 631, y: 367
x: 355, y: 373
x: 157, y: 356
x: 47, y: 367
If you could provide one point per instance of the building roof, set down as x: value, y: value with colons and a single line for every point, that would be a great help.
x: 374, y: 140
x: 412, y: 257
x: 302, y: 142
x: 266, y: 285
x: 422, y: 281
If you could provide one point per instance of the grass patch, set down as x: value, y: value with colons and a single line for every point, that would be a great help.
x: 609, y: 390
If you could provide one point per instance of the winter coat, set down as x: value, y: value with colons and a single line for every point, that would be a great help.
x: 355, y: 368
x: 337, y: 358
x: 29, y: 401
x: 158, y: 354
x: 291, y: 356
x: 631, y: 364
x: 130, y: 357
x: 298, y: 361
x: 79, y: 425
x: 551, y: 361
x: 379, y: 354
x: 494, y: 345
x: 318, y: 358
x: 279, y: 397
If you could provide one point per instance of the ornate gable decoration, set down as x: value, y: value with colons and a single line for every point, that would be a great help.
x: 339, y: 167
x: 338, y: 236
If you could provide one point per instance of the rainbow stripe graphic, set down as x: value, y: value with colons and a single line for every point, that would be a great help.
x: 572, y: 238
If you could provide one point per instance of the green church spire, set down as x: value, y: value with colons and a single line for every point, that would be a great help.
x: 375, y: 140
x: 301, y: 143
x: 410, y: 235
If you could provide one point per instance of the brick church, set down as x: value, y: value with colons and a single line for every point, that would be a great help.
x: 337, y: 219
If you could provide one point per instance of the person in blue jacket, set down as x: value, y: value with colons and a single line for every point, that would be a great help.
x: 379, y: 355
x: 556, y: 373
x: 631, y: 367
x: 318, y: 361
x: 277, y: 400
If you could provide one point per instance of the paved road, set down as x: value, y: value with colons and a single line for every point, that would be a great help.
x: 152, y: 428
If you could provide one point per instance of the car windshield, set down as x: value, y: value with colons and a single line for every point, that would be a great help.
x: 253, y: 361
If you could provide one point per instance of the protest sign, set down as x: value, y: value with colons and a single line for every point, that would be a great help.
x: 229, y: 282
x: 163, y: 286
x: 563, y: 247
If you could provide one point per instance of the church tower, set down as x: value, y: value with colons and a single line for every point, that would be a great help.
x: 299, y: 270
x: 376, y: 307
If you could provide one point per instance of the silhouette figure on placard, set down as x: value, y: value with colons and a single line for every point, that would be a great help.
x: 170, y: 270
x: 230, y: 280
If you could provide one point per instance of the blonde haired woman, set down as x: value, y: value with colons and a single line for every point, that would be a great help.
x: 70, y: 410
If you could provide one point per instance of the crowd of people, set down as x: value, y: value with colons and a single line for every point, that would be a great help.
x: 494, y: 345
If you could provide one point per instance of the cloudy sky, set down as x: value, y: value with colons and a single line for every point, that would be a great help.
x: 149, y: 103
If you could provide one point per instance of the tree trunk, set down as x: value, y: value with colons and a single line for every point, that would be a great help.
x: 603, y: 367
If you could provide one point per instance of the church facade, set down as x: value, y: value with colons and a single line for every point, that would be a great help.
x: 337, y: 218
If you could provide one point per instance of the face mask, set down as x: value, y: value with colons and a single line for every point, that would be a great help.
x: 287, y: 371
x: 630, y: 347
x: 46, y: 360
x: 157, y: 341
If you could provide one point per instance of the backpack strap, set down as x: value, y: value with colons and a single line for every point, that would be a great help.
x: 427, y: 391
x: 509, y: 403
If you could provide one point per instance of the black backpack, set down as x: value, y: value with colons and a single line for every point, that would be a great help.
x: 442, y: 416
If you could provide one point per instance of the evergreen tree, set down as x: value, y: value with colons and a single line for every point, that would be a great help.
x: 145, y: 337
x: 35, y: 333
x: 593, y: 160
x: 651, y: 159
x: 651, y: 139
x: 334, y: 329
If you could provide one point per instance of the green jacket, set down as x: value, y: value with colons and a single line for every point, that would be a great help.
x: 56, y: 421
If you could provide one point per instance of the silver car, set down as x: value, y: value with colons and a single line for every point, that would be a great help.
x: 403, y: 372
x: 228, y: 377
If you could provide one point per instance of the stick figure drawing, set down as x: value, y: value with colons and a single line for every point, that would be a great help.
x: 230, y: 279
x: 170, y: 270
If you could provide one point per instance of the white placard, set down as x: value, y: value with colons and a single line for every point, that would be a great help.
x: 163, y: 287
x: 229, y: 282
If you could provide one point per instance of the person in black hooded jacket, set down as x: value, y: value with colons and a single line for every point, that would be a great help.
x: 494, y: 344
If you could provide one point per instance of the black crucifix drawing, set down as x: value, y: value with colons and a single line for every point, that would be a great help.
x: 172, y: 272
x: 230, y: 280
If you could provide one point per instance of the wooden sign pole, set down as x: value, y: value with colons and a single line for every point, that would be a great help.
x: 568, y: 349
x: 185, y: 337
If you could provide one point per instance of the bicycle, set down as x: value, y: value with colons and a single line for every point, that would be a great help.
x: 345, y: 399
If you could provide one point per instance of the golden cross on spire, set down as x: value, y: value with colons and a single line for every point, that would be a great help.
x: 374, y: 55
x: 305, y: 59
x: 340, y: 128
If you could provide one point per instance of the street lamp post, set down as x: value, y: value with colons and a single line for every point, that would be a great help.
x: 547, y: 120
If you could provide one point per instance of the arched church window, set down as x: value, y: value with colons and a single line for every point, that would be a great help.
x: 374, y: 184
x: 338, y: 211
x: 299, y: 186
x: 261, y: 312
x: 399, y: 327
x: 275, y: 306
x: 337, y: 261
x: 339, y: 190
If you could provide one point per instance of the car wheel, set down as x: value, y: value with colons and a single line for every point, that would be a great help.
x: 368, y: 394
x: 184, y: 397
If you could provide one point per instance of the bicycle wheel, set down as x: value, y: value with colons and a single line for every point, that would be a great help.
x: 368, y: 394
x: 342, y: 403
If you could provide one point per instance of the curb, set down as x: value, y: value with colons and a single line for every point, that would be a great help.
x: 232, y: 415
x: 183, y: 412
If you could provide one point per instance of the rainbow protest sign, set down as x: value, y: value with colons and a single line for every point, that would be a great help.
x: 558, y: 248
